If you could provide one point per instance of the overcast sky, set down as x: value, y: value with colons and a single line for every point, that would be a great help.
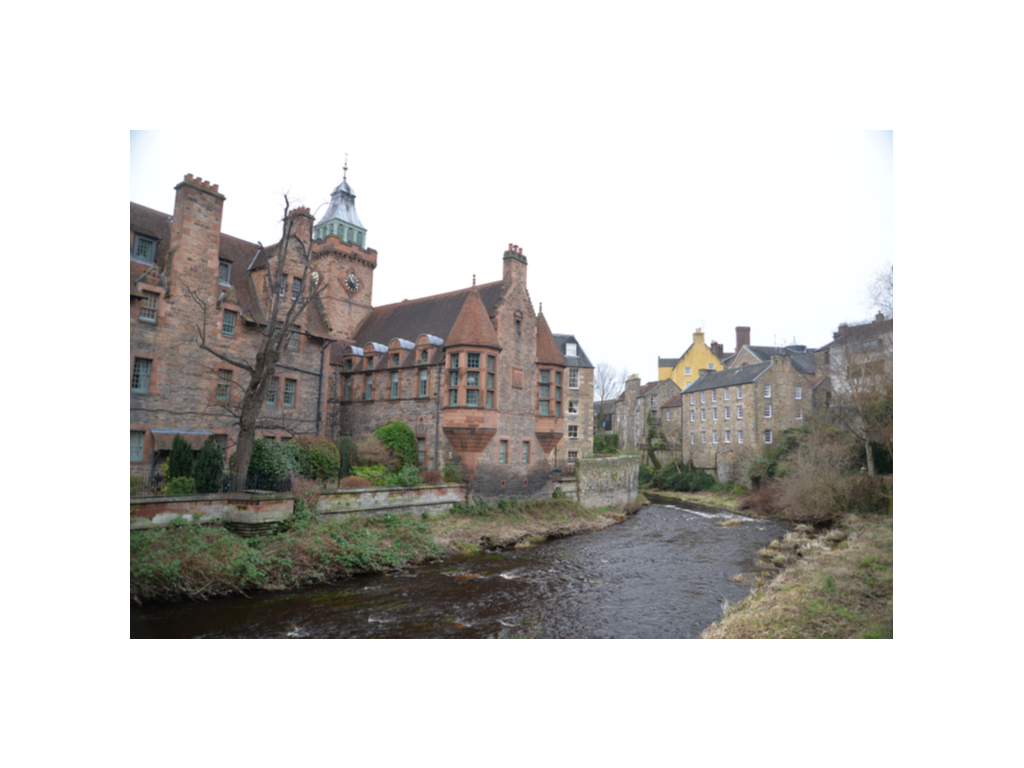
x: 641, y: 217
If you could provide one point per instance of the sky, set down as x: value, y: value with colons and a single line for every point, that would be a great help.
x: 647, y: 193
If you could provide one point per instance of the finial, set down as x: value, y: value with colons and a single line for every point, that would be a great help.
x: 474, y: 280
x: 541, y: 308
x: 344, y: 174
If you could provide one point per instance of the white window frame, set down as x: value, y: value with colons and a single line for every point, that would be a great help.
x: 574, y: 407
x: 798, y: 393
x: 714, y: 413
x: 574, y: 378
x: 739, y: 435
x: 767, y: 390
x: 703, y: 438
x: 739, y: 393
x: 727, y: 412
x: 702, y: 398
x: 767, y: 410
x: 574, y: 432
x: 693, y: 416
x: 767, y: 437
x: 691, y: 398
x: 570, y: 349
x: 714, y: 395
x: 687, y: 369
x: 728, y: 436
x: 726, y: 394
x: 714, y: 437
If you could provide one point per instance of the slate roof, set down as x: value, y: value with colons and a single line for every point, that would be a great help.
x: 580, y: 360
x: 860, y: 332
x: 668, y: 362
x: 435, y: 315
x: 803, y: 360
x: 746, y: 374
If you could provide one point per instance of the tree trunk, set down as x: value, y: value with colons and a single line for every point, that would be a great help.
x: 870, y: 457
x: 251, y: 402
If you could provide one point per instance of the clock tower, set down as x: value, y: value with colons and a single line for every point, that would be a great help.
x: 340, y: 257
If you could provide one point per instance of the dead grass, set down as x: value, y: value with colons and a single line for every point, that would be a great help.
x: 840, y: 586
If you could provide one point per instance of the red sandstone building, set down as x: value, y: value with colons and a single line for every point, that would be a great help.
x: 476, y: 373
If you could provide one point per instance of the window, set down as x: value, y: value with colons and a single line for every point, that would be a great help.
x: 714, y: 438
x: 702, y: 398
x: 224, y: 272
x: 454, y: 379
x: 739, y: 436
x: 137, y: 438
x: 545, y: 408
x: 149, y: 304
x: 714, y: 413
x: 691, y: 438
x: 368, y: 393
x: 293, y: 338
x: 739, y: 393
x: 703, y: 415
x: 348, y: 388
x: 711, y: 366
x: 281, y: 286
x: 348, y: 364
x: 574, y: 432
x: 490, y: 399
x: 703, y: 438
x: 767, y: 390
x: 423, y: 382
x: 473, y: 398
x: 654, y: 402
x: 570, y: 349
x: 472, y: 359
x: 369, y: 362
x: 693, y: 415
x: 714, y: 395
x: 739, y: 411
x: 767, y: 410
x: 545, y: 391
x: 423, y: 356
x: 726, y: 394
x: 227, y: 327
x: 526, y: 452
x: 289, y: 392
x: 455, y: 360
x: 728, y: 436
x: 519, y: 327
x: 223, y: 385
x: 453, y: 397
x: 140, y: 374
x: 574, y: 378
x: 145, y: 249
x: 394, y: 361
x: 490, y: 362
x: 394, y: 385
x: 799, y: 414
x: 296, y: 288
x: 668, y: 415
x: 574, y: 407
x: 573, y: 456
x: 799, y: 393
x: 726, y: 414
x: 503, y: 452
x: 271, y: 398
x: 767, y: 436
x: 691, y: 398
x: 421, y: 450
x: 687, y: 369
x: 545, y: 377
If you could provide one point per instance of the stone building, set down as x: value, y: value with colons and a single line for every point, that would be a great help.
x: 639, y: 410
x: 477, y: 374
x: 178, y: 388
x: 729, y: 417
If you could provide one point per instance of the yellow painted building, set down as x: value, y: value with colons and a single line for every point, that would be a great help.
x: 685, y: 370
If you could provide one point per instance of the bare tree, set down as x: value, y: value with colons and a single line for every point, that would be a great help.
x: 880, y: 290
x: 272, y: 336
x: 609, y: 383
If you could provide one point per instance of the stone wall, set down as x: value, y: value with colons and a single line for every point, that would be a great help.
x: 608, y: 480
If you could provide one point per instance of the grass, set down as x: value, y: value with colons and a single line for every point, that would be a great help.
x: 186, y: 561
x: 838, y: 585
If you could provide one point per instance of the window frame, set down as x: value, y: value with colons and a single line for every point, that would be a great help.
x: 271, y: 395
x: 294, y: 391
x: 224, y: 326
x: 223, y: 272
x: 142, y: 371
x: 150, y: 306
x: 139, y: 240
x: 574, y: 378
x: 223, y: 384
x: 138, y: 450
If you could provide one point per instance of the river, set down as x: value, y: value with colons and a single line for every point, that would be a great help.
x: 663, y: 573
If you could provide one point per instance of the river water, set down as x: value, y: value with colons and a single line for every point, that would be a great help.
x: 661, y: 574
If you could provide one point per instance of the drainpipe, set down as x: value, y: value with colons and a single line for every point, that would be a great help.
x: 437, y: 412
x: 320, y: 389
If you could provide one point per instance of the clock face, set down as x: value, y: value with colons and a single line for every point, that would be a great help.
x: 352, y: 282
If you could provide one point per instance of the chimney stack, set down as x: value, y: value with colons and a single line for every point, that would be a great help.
x: 742, y: 336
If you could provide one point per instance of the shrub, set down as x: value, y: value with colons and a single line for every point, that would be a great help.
x: 180, y: 486
x: 209, y: 468
x: 273, y: 460
x: 606, y: 443
x: 818, y: 485
x: 377, y: 474
x: 137, y: 485
x: 432, y: 477
x: 682, y: 477
x: 400, y: 438
x: 372, y: 451
x: 180, y: 462
x: 409, y: 475
x: 764, y: 500
x: 354, y: 481
x: 451, y: 474
x: 308, y: 492
x: 317, y: 457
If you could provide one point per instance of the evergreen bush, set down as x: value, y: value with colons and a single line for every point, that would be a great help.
x: 451, y: 474
x: 347, y: 453
x: 317, y: 457
x: 180, y: 462
x: 269, y: 460
x: 209, y: 467
x: 400, y: 438
x: 180, y: 486
x: 409, y: 475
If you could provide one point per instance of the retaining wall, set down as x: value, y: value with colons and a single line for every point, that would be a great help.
x: 608, y: 480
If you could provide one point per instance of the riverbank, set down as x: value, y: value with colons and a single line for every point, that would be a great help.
x: 836, y: 584
x: 193, y: 562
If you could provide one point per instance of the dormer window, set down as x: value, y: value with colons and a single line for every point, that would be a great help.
x: 145, y: 249
x: 423, y: 356
x: 394, y: 361
x: 570, y: 349
x: 224, y: 272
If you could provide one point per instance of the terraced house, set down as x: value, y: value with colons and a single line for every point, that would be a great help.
x: 476, y: 372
